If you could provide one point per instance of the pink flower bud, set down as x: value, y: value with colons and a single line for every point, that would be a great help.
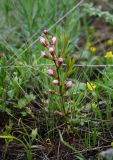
x: 43, y: 41
x: 45, y: 32
x: 50, y: 72
x: 51, y: 50
x: 68, y: 85
x: 60, y: 61
x: 56, y: 82
x: 43, y: 54
x: 53, y: 41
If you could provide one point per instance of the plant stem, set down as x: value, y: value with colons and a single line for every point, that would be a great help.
x: 60, y: 87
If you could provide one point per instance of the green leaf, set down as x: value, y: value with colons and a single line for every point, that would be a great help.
x: 66, y: 41
x: 25, y: 101
x: 111, y: 144
x: 34, y: 133
x: 10, y: 93
x: 78, y: 86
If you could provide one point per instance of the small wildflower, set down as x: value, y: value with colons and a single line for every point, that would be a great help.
x: 91, y: 86
x: 43, y: 54
x: 50, y: 72
x: 45, y: 32
x: 92, y: 49
x: 88, y: 44
x: 110, y: 42
x: 60, y: 61
x: 56, y: 82
x: 68, y: 85
x: 43, y: 41
x: 51, y: 50
x: 53, y: 41
x: 109, y: 54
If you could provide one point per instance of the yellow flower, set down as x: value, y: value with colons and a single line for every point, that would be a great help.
x: 110, y: 42
x: 92, y: 49
x: 88, y: 44
x: 91, y: 86
x: 109, y: 54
